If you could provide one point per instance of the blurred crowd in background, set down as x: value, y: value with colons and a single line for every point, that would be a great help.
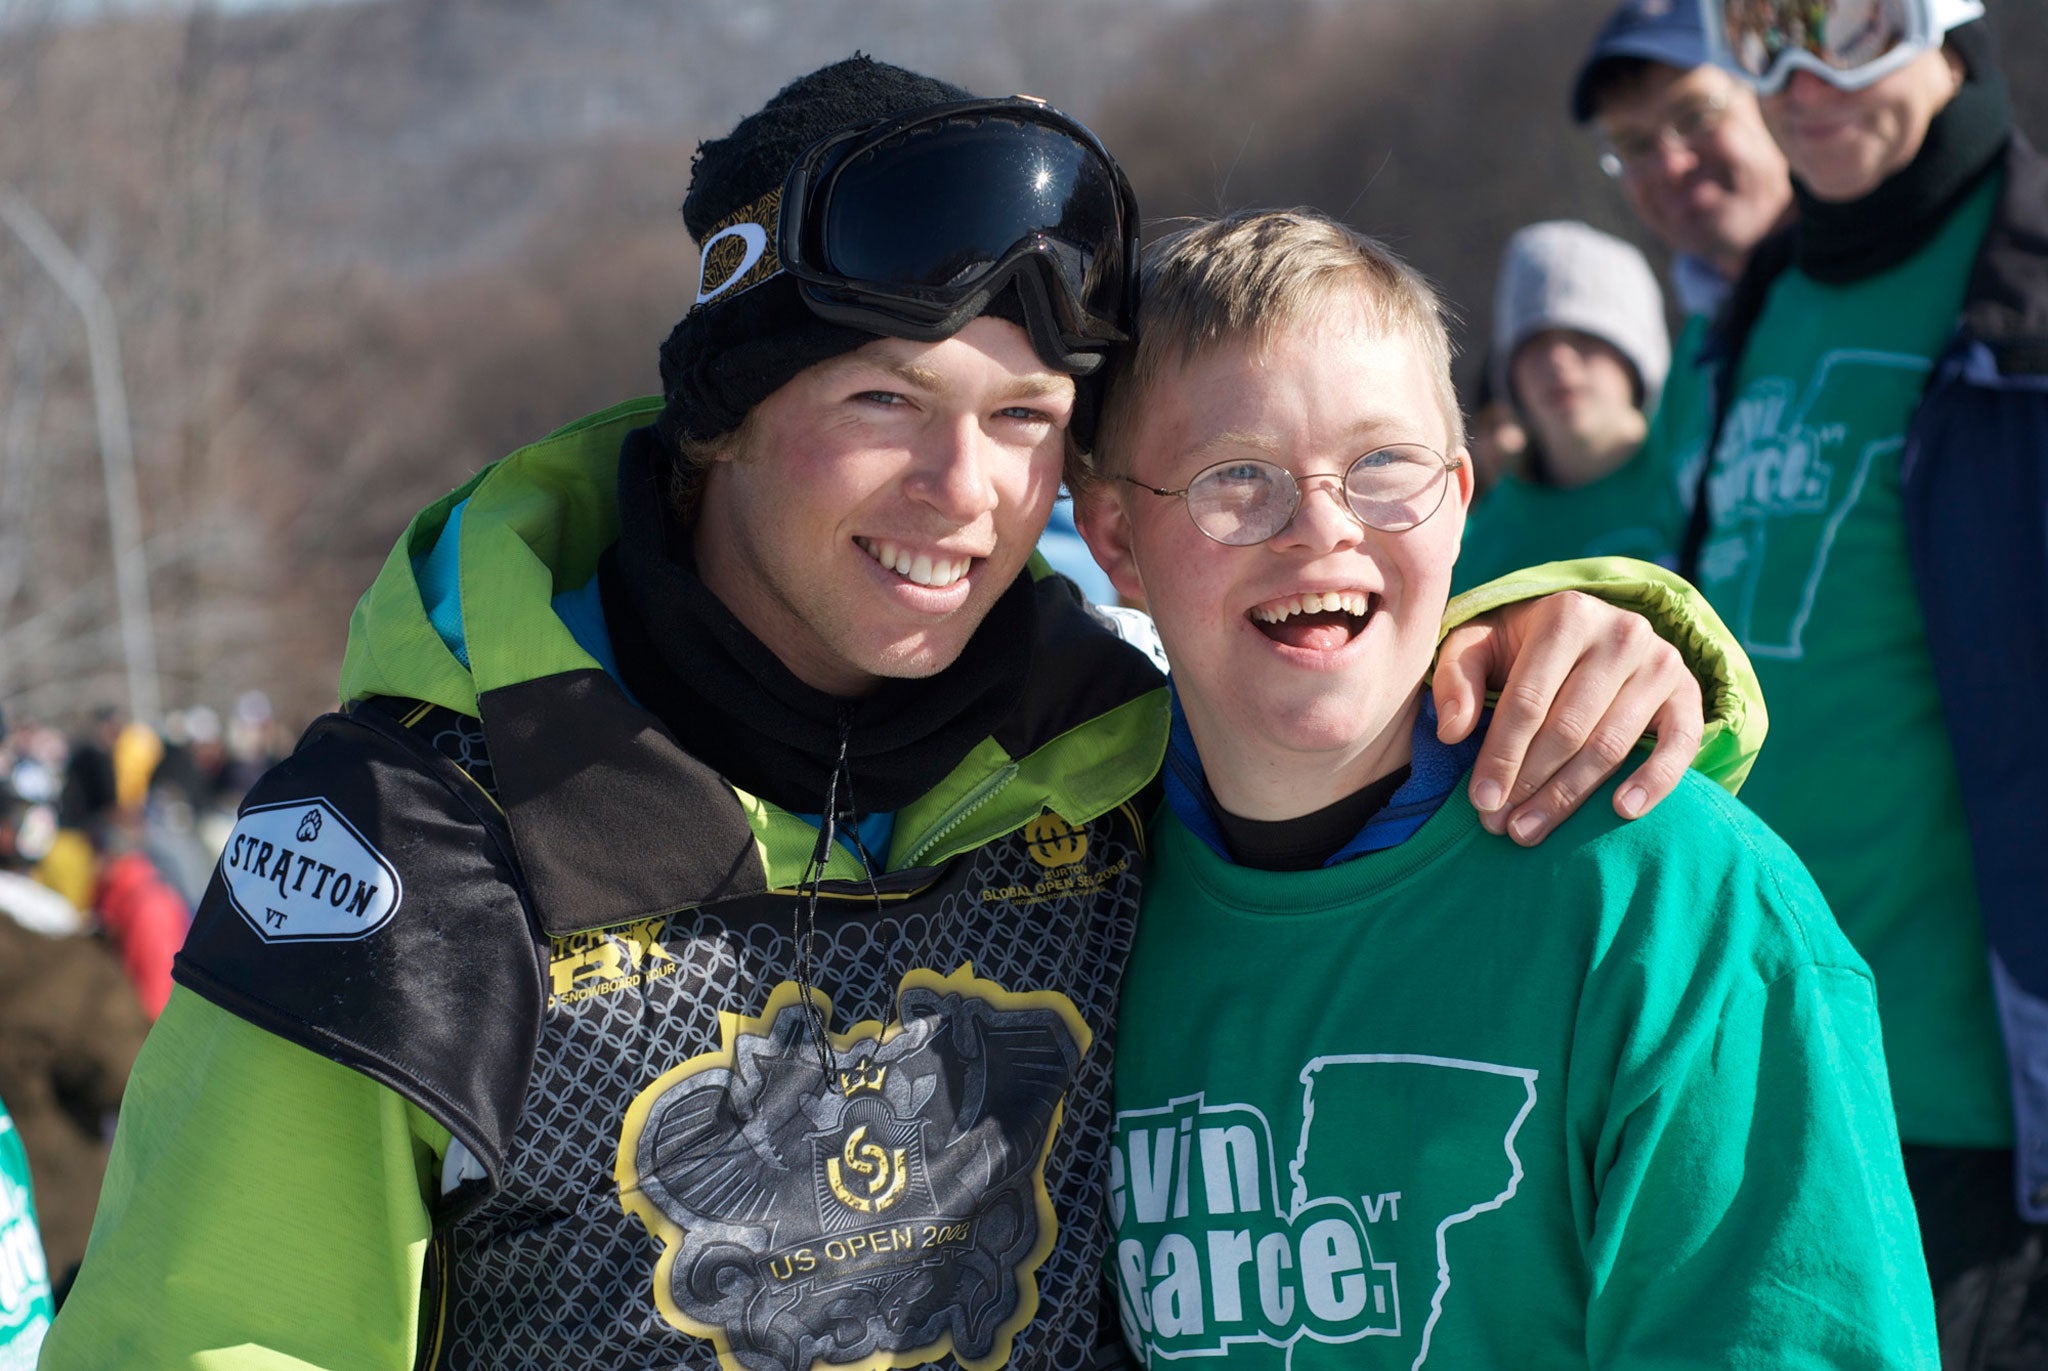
x: 108, y: 836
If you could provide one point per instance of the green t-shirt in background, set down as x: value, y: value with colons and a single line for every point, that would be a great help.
x: 25, y: 1305
x: 1807, y: 563
x: 1615, y: 1101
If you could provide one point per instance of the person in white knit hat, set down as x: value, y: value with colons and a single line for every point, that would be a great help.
x: 1581, y: 350
x: 1578, y: 331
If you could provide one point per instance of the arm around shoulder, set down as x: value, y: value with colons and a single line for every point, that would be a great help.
x: 1732, y: 697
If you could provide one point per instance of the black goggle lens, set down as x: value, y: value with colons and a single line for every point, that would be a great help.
x: 936, y: 208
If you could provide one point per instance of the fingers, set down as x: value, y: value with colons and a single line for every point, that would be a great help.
x: 1584, y: 683
x: 1584, y: 741
x: 1588, y: 682
x: 1463, y: 663
x: 1680, y: 726
x: 1663, y: 697
x: 1539, y: 673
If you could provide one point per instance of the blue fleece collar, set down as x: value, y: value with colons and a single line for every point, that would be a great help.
x: 1434, y: 771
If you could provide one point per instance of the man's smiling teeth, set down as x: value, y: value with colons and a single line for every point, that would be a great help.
x: 916, y: 567
x: 1352, y: 602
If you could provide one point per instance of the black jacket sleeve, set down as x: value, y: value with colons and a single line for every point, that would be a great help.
x: 368, y: 907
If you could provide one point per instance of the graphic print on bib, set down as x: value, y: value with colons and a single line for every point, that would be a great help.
x: 1789, y: 470
x: 1394, y: 1152
x: 885, y: 1216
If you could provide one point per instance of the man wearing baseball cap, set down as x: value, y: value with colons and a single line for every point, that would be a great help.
x: 1686, y: 143
x: 696, y: 942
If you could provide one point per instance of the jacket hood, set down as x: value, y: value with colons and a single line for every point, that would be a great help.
x: 534, y: 524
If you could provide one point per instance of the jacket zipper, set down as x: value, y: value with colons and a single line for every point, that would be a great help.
x: 960, y: 813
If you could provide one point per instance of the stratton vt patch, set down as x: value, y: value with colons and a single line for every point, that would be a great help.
x: 885, y: 1215
x: 300, y: 872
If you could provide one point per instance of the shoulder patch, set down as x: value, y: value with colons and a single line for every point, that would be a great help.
x: 298, y: 871
x: 306, y: 930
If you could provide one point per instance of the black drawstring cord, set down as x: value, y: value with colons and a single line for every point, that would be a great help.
x: 860, y: 844
x: 805, y: 930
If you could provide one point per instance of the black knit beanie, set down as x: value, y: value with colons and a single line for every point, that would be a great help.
x: 734, y: 349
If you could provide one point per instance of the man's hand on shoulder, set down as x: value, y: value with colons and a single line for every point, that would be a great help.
x: 1579, y: 682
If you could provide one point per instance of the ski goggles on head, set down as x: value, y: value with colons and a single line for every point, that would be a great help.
x: 911, y: 227
x: 1847, y: 43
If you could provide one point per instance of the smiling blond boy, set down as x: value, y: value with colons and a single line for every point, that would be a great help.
x: 1388, y: 1094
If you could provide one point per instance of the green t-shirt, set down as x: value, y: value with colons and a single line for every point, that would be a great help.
x: 25, y: 1306
x: 1636, y: 510
x: 1807, y: 563
x: 1618, y: 1100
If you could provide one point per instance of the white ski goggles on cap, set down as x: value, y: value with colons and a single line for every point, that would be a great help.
x: 1847, y: 43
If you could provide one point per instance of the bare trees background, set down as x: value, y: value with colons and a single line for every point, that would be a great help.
x: 357, y: 250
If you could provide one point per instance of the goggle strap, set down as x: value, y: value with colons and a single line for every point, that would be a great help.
x: 740, y: 251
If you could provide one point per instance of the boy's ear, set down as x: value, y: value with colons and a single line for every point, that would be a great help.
x: 1465, y: 480
x: 1464, y: 484
x: 1105, y: 524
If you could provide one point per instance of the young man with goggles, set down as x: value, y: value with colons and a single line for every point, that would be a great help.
x: 696, y: 942
x: 1870, y: 515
